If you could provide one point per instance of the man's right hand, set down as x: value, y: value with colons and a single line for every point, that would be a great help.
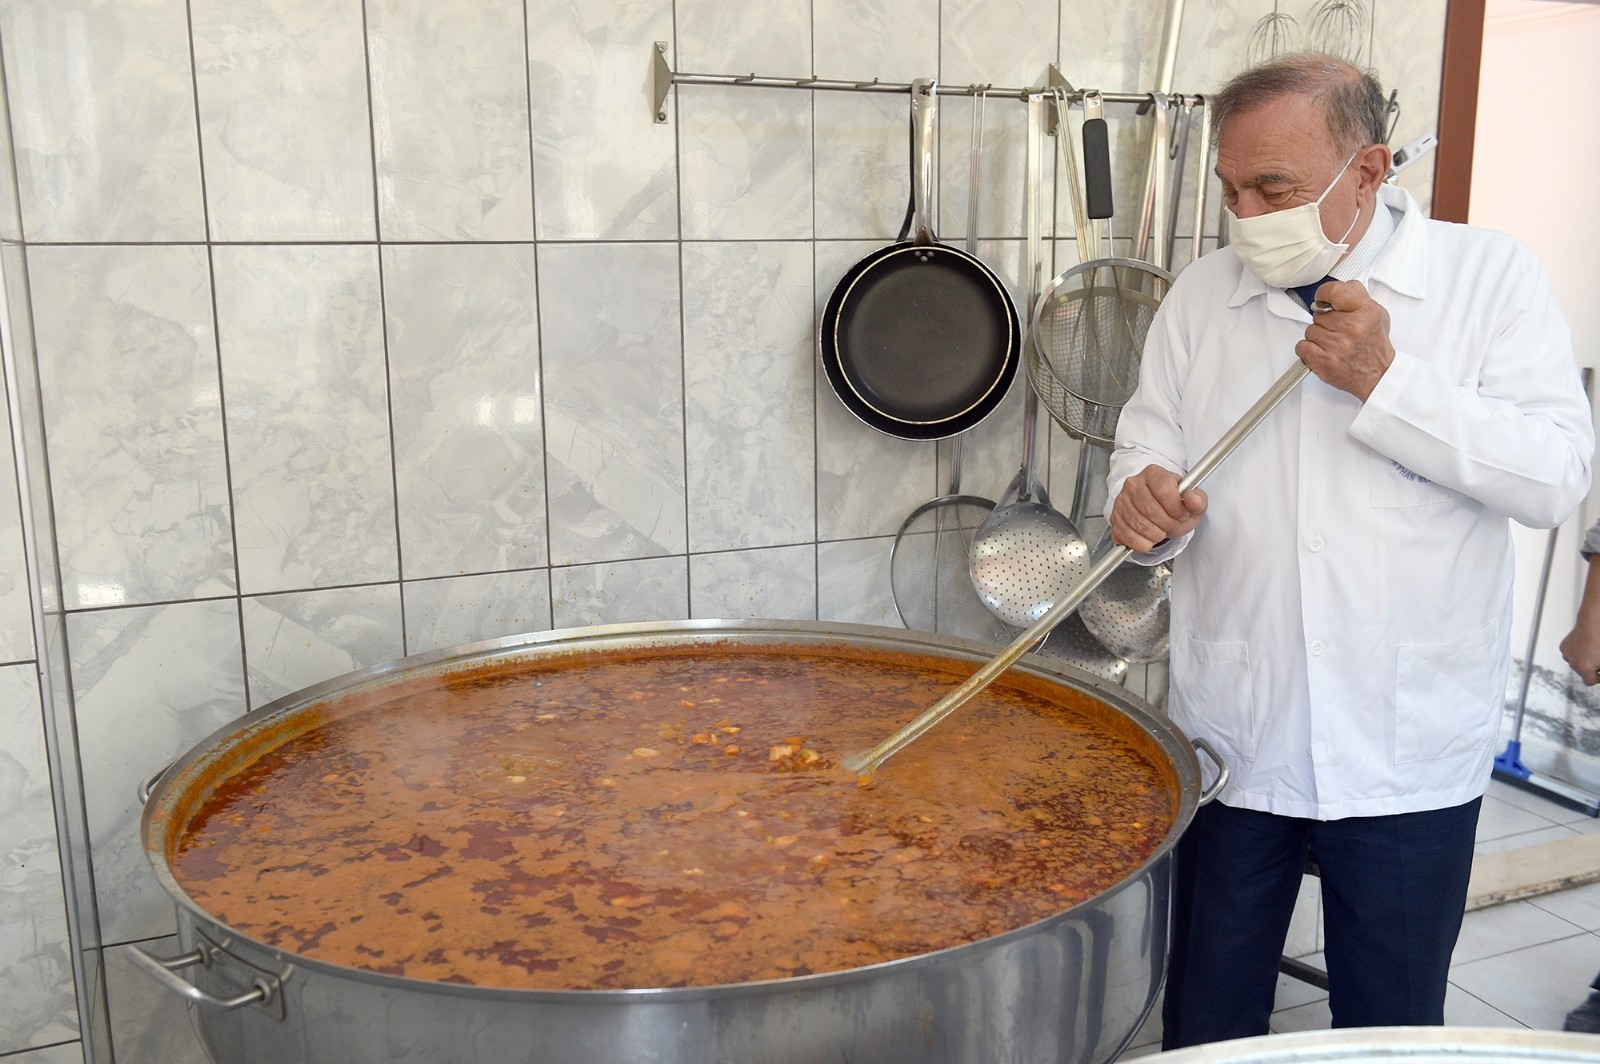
x: 1581, y: 648
x: 1149, y: 510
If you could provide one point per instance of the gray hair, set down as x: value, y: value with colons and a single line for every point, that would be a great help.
x: 1352, y: 100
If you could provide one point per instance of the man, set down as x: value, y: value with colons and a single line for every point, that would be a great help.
x: 1581, y: 648
x: 1340, y: 614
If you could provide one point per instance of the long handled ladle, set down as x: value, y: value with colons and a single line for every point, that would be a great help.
x: 868, y: 760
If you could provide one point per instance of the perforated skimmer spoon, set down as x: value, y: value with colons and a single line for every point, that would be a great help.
x: 868, y: 760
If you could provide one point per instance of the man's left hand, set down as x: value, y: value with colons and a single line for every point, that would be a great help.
x: 1348, y: 346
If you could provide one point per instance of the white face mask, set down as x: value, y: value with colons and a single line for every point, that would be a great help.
x: 1288, y: 248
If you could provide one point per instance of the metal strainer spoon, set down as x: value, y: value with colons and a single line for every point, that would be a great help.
x: 1026, y: 555
x: 1130, y: 613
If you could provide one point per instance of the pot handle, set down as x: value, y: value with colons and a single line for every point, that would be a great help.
x: 264, y: 988
x: 1222, y: 771
x: 148, y: 784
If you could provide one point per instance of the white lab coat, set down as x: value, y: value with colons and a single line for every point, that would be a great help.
x: 1340, y: 615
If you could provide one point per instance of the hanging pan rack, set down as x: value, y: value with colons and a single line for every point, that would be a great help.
x: 665, y: 78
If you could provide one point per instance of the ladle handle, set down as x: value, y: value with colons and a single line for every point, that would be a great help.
x: 868, y: 760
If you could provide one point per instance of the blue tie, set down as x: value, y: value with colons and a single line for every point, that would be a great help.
x: 1308, y: 292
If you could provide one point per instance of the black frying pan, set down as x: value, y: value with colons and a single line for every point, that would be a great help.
x: 919, y: 340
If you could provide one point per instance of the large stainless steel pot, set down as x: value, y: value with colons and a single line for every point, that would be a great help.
x: 1069, y: 989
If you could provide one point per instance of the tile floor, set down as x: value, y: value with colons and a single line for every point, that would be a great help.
x: 1521, y: 964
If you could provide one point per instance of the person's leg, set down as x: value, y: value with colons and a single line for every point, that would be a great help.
x: 1394, y: 889
x: 1236, y: 876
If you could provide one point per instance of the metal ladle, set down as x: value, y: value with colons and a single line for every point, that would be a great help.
x: 868, y: 760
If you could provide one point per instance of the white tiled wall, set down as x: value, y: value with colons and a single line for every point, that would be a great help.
x: 366, y: 328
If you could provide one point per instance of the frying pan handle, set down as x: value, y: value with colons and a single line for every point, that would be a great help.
x: 924, y: 116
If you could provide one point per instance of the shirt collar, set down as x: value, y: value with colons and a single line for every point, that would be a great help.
x: 1398, y: 255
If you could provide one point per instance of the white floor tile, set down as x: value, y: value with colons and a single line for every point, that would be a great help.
x: 1523, y: 838
x: 1537, y: 985
x: 1499, y: 818
x: 1580, y: 905
x: 1507, y: 928
x: 1314, y: 1016
x: 1461, y: 1009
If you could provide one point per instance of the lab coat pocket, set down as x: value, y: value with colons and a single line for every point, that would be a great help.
x: 1446, y: 699
x: 1395, y: 485
x: 1216, y: 703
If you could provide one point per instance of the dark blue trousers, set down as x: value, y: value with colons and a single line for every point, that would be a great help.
x: 1393, y: 892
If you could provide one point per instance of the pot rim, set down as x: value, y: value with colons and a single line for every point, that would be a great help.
x: 1184, y: 762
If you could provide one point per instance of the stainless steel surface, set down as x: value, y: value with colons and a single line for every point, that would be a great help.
x: 1131, y: 612
x: 1339, y: 27
x: 663, y: 78
x: 1150, y: 243
x: 1070, y: 989
x: 1273, y: 34
x: 1026, y: 554
x: 1074, y: 644
x: 1414, y: 1045
x: 869, y: 760
x: 1086, y: 341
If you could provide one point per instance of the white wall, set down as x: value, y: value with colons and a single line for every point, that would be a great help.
x: 1534, y: 164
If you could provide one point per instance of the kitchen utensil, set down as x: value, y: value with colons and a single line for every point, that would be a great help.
x: 1130, y: 614
x: 1202, y: 179
x: 1339, y: 27
x: 1088, y: 327
x: 1183, y: 111
x: 1150, y: 240
x: 1072, y: 642
x: 919, y: 340
x: 928, y: 572
x: 867, y: 761
x: 1026, y: 554
x: 1274, y: 34
x: 1093, y: 969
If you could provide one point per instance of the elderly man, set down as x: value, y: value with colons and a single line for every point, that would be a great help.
x: 1340, y: 615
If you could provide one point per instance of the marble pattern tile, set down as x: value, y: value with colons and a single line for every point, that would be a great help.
x: 128, y: 369
x: 450, y: 120
x: 469, y: 441
x: 867, y: 482
x: 1407, y: 42
x: 20, y: 349
x: 149, y: 682
x: 10, y: 205
x: 1010, y: 43
x: 16, y: 602
x: 651, y: 589
x: 63, y: 1053
x: 301, y: 335
x: 1534, y: 985
x: 853, y: 582
x: 863, y: 180
x: 295, y: 640
x: 749, y: 380
x: 771, y: 37
x: 603, y: 168
x: 104, y: 122
x: 469, y: 609
x: 36, y: 980
x: 613, y: 373
x: 894, y: 40
x: 150, y: 1024
x: 776, y: 582
x: 745, y: 163
x: 1503, y: 928
x: 285, y: 127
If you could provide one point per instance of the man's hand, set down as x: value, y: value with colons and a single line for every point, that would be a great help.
x: 1581, y: 647
x: 1348, y: 346
x: 1149, y: 510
